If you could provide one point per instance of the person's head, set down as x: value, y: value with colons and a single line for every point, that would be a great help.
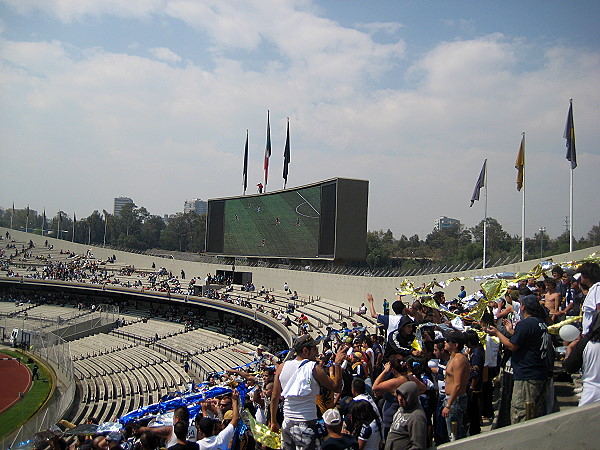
x: 531, y: 307
x: 398, y: 307
x: 360, y: 413
x: 462, y: 288
x: 114, y: 439
x: 439, y: 349
x: 557, y: 273
x: 306, y: 347
x: 358, y: 387
x: 398, y: 365
x: 550, y: 284
x: 565, y: 278
x: 225, y: 404
x: 455, y: 341
x: 180, y: 429
x: 590, y: 274
x: 472, y: 338
x: 205, y: 426
x: 148, y: 440
x: 333, y: 420
x: 181, y: 414
x: 268, y: 390
x: 408, y: 396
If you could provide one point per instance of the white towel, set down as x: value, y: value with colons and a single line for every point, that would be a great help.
x: 299, y: 383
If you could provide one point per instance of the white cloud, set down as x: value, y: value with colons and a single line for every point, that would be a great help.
x: 118, y: 124
x: 165, y: 54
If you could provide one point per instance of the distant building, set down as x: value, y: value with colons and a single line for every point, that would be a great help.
x: 443, y: 223
x: 119, y: 203
x: 195, y: 205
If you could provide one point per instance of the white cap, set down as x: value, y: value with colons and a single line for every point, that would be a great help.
x: 332, y: 417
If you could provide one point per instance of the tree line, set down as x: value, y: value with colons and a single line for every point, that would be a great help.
x: 135, y: 228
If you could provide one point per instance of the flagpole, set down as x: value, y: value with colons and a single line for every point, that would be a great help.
x: 73, y: 234
x: 523, y: 206
x: 571, y: 212
x: 485, y: 221
x: 105, y: 223
x: 27, y: 221
x: 59, y: 219
x: 571, y: 193
x: 12, y: 216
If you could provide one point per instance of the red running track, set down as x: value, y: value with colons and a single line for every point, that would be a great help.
x: 14, y: 378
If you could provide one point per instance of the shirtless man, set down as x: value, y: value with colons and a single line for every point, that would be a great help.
x: 457, y: 378
x: 551, y: 299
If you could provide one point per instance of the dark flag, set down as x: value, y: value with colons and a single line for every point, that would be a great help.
x: 246, y: 164
x: 267, y: 149
x: 570, y: 137
x: 27, y: 211
x: 286, y: 154
x: 43, y: 221
x: 520, y: 164
x: 480, y: 183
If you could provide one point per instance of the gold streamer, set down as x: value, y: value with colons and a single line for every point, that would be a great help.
x: 554, y: 329
x: 263, y: 433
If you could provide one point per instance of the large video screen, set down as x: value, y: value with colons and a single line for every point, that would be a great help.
x: 293, y: 223
x: 286, y: 223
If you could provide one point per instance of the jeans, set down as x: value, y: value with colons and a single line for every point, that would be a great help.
x: 457, y: 414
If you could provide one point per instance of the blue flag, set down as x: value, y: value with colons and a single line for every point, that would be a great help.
x: 480, y: 183
x: 570, y: 137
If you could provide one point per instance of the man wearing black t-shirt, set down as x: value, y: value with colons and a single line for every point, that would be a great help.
x: 529, y: 345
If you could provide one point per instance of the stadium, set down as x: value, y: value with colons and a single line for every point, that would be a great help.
x: 114, y: 332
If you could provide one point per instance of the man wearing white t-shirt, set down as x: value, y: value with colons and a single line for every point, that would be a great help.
x: 208, y: 440
x: 590, y: 276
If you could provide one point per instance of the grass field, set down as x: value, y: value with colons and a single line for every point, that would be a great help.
x: 14, y: 417
x: 282, y: 224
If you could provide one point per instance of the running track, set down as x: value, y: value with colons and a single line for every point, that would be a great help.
x: 14, y: 378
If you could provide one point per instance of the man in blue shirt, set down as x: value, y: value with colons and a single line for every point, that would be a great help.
x: 529, y: 344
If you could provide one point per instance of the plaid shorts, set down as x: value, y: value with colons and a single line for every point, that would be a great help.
x: 297, y: 435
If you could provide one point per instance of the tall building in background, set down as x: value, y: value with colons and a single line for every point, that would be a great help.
x: 119, y: 203
x: 443, y: 223
x: 195, y: 205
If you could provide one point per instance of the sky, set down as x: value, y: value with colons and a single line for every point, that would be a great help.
x: 151, y: 99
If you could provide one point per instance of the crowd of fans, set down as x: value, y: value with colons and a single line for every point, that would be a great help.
x: 431, y: 372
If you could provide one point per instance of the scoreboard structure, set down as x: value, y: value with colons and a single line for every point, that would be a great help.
x: 325, y: 220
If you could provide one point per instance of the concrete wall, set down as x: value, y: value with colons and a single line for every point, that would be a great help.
x: 347, y: 289
x: 576, y: 428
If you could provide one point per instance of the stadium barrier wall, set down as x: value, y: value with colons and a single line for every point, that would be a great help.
x: 574, y: 428
x: 347, y: 289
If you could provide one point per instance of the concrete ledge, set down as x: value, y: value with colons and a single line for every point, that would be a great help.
x: 573, y: 429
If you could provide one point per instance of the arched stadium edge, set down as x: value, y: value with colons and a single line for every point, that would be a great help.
x: 347, y: 289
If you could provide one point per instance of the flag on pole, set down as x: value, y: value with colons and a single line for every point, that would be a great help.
x: 27, y: 211
x: 267, y: 149
x: 286, y: 154
x: 480, y: 183
x: 570, y: 137
x: 520, y: 164
x: 43, y: 221
x: 246, y: 164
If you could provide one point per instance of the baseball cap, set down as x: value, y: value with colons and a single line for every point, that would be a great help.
x: 332, y: 417
x: 304, y: 341
x: 228, y: 415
